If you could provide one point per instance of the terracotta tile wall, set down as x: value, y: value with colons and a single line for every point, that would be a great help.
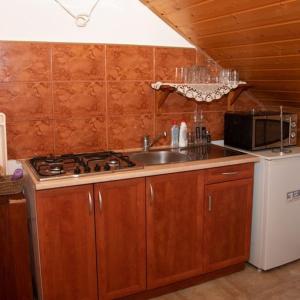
x: 62, y: 98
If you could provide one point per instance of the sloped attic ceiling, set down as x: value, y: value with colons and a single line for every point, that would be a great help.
x: 260, y: 38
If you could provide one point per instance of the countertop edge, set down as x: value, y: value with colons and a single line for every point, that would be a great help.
x: 146, y: 171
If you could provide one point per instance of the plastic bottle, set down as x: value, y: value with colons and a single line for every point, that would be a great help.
x: 208, y: 137
x: 174, y: 135
x: 183, y: 135
x: 198, y: 124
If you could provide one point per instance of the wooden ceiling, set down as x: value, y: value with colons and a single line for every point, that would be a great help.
x: 260, y: 38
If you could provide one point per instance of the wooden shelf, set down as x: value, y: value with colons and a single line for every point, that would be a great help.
x: 205, y: 92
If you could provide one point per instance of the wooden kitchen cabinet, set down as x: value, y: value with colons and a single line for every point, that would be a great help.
x: 227, y: 222
x: 121, y: 239
x: 15, y: 272
x: 174, y: 227
x: 66, y: 238
x: 130, y: 238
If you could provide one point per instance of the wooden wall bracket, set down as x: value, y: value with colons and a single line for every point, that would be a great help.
x: 163, y: 93
x: 234, y: 94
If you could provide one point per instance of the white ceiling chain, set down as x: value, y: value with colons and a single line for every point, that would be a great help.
x: 81, y: 20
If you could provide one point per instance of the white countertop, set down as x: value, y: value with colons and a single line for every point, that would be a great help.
x: 266, y: 154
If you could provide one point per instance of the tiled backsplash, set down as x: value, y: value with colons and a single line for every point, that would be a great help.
x: 62, y: 98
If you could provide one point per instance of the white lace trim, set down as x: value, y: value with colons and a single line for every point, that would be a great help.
x: 200, y: 92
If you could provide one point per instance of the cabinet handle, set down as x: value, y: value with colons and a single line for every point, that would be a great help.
x: 100, y: 200
x: 90, y: 203
x: 230, y: 173
x: 209, y: 203
x: 151, y: 193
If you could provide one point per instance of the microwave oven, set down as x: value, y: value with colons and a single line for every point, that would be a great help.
x: 259, y: 130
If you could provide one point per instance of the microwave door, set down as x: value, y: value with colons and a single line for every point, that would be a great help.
x: 259, y: 131
x: 267, y: 133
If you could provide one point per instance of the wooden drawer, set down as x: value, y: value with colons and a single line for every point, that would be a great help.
x: 228, y: 173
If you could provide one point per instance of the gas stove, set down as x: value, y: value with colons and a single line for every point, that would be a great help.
x: 82, y: 164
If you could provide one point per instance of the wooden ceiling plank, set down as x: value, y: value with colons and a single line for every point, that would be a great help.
x: 279, y: 102
x: 262, y: 63
x: 259, y: 35
x: 290, y: 47
x: 259, y: 38
x: 284, y: 95
x: 279, y: 13
x: 212, y: 9
x: 275, y: 85
x: 284, y: 74
x: 166, y: 7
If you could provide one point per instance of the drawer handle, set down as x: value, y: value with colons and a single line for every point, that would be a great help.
x: 151, y: 193
x: 90, y: 204
x: 230, y: 173
x: 100, y: 200
x: 209, y: 203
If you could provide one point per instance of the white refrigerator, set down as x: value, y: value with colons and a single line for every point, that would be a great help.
x: 275, y: 237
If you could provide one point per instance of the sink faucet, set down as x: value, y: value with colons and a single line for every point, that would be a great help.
x: 148, y: 143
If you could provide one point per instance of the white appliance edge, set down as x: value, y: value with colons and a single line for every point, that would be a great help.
x: 275, y: 234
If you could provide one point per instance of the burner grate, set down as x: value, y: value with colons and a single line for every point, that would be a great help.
x: 80, y: 164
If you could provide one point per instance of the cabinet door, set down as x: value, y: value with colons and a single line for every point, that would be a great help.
x: 227, y: 221
x: 121, y: 241
x: 66, y: 234
x: 174, y: 227
x: 15, y: 275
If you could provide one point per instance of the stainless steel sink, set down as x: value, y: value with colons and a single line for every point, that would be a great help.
x: 158, y: 157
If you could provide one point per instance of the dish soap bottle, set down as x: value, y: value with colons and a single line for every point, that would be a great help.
x: 183, y: 135
x: 174, y: 135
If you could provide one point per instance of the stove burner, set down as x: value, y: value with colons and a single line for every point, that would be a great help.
x: 70, y: 165
x: 56, y: 168
x: 113, y: 162
x: 53, y: 159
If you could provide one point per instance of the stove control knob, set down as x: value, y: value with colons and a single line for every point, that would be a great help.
x: 293, y: 124
x: 131, y: 164
x: 293, y: 135
x: 77, y: 170
x: 97, y: 168
x: 87, y: 169
x: 106, y: 167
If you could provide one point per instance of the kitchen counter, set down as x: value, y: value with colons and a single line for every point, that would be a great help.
x: 146, y: 171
